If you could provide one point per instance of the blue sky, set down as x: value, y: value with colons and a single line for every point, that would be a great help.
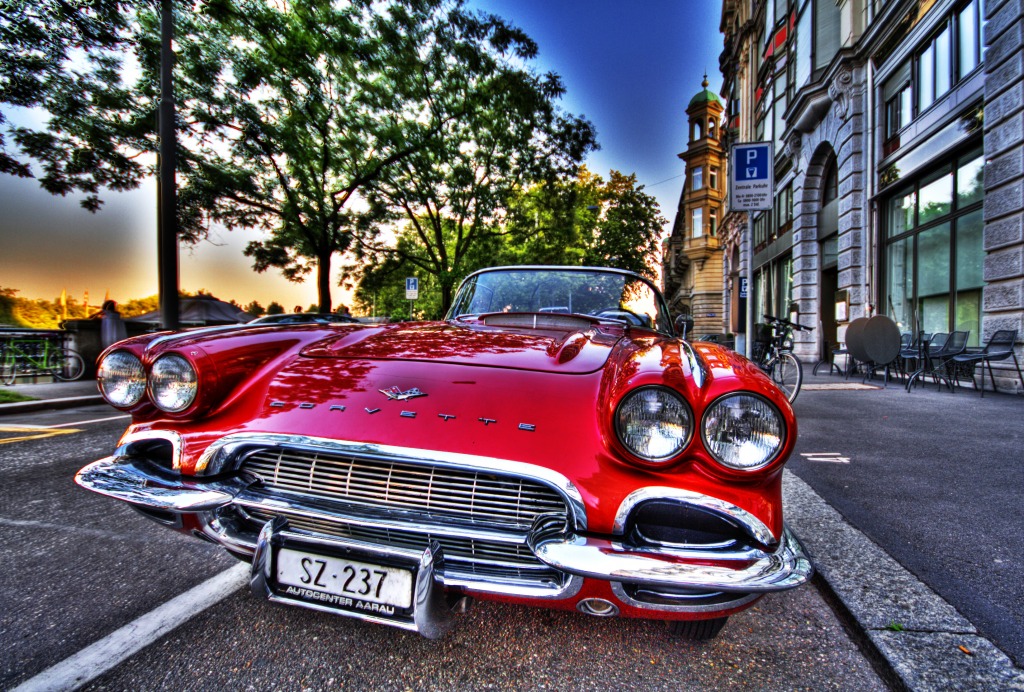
x: 629, y: 67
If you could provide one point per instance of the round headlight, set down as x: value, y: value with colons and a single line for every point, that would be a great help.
x: 122, y: 379
x: 743, y: 431
x: 653, y: 423
x: 172, y: 383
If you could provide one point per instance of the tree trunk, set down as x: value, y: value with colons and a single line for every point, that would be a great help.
x: 323, y: 281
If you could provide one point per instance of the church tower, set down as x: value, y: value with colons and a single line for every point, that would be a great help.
x: 693, y: 267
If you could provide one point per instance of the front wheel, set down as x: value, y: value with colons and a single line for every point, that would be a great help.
x: 8, y: 369
x: 697, y: 630
x: 65, y: 364
x: 787, y: 373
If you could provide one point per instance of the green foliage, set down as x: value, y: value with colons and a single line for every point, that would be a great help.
x: 139, y: 306
x: 254, y: 309
x: 275, y: 308
x: 66, y: 58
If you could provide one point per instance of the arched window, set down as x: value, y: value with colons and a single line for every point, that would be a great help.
x: 697, y: 131
x: 711, y: 128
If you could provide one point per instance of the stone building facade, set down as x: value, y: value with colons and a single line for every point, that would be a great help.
x: 899, y: 138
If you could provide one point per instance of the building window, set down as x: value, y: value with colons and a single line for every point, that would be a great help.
x: 713, y: 222
x: 711, y: 128
x: 898, y: 96
x: 784, y: 209
x: 969, y: 42
x: 697, y: 222
x: 713, y: 178
x: 934, y: 252
x: 696, y: 132
x: 698, y: 178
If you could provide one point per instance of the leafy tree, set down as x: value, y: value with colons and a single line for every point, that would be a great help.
x: 275, y: 308
x: 66, y: 58
x: 628, y: 229
x: 289, y: 111
x: 509, y: 133
x: 254, y: 309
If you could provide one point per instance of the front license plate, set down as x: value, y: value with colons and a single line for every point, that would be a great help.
x: 360, y: 581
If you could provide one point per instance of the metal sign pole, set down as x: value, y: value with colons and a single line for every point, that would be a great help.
x: 748, y: 346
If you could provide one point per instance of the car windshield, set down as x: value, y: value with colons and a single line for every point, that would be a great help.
x: 606, y: 294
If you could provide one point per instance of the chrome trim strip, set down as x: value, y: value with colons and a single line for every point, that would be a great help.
x: 147, y: 485
x: 751, y: 524
x: 252, y: 499
x: 188, y: 334
x: 740, y: 600
x: 168, y: 435
x: 697, y: 367
x: 220, y: 452
x: 599, y: 558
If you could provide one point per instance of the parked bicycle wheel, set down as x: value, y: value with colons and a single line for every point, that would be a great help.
x: 787, y: 373
x: 8, y: 369
x: 65, y: 364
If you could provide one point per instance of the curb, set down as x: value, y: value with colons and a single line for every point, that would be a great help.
x: 925, y: 643
x: 46, y: 404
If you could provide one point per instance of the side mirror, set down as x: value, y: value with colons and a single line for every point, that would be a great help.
x: 684, y: 325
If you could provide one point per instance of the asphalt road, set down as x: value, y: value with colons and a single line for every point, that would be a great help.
x: 935, y: 479
x: 78, y: 567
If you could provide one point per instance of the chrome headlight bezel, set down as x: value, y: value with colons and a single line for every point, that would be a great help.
x: 122, y: 370
x: 768, y: 424
x: 677, y: 413
x: 173, y: 383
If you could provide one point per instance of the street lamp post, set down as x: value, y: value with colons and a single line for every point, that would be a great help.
x: 167, y: 194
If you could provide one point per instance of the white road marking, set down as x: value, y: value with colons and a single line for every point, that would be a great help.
x: 98, y: 658
x: 827, y: 457
x: 87, y: 422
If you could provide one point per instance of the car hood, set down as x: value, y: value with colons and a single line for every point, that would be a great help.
x: 566, y: 351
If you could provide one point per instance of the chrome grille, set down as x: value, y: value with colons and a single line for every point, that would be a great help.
x: 437, y: 491
x: 500, y: 508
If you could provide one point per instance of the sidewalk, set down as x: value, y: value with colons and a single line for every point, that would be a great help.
x: 52, y: 395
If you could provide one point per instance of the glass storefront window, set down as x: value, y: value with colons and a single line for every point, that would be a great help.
x: 933, y: 277
x: 900, y: 273
x: 970, y: 254
x: 970, y: 182
x: 901, y: 213
x: 934, y: 254
x: 936, y: 199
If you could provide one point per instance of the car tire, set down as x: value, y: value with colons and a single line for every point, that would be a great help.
x: 697, y: 630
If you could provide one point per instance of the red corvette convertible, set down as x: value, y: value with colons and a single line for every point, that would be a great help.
x: 551, y: 443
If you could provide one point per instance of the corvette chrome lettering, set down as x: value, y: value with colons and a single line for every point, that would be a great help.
x: 445, y: 416
x: 528, y: 427
x: 371, y: 411
x: 396, y: 394
x: 487, y: 421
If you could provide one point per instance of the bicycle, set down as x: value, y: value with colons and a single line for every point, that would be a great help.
x: 39, y: 356
x: 775, y: 356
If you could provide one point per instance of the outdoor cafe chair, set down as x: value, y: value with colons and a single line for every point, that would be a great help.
x: 940, y: 358
x: 929, y: 346
x: 999, y: 347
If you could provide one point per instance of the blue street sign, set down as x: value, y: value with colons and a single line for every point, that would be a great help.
x: 751, y: 176
x: 412, y: 288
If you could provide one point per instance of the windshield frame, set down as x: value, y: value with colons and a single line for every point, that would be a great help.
x: 663, y: 321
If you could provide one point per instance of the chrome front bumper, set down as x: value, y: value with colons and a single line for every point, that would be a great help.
x: 740, y: 571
